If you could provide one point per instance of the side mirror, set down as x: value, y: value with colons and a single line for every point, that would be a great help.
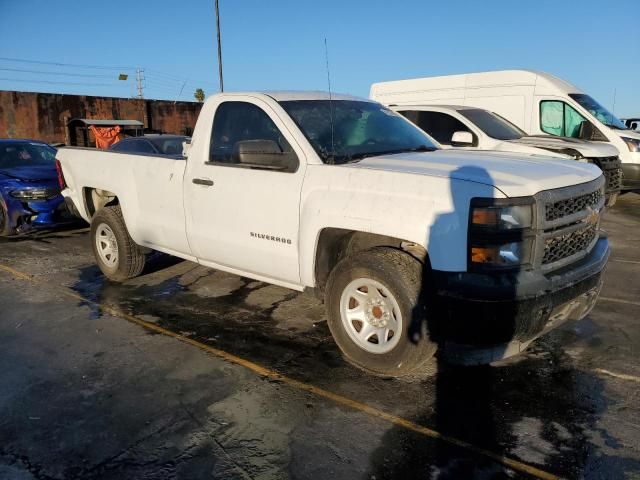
x: 589, y: 132
x: 462, y: 139
x: 186, y: 146
x: 264, y: 154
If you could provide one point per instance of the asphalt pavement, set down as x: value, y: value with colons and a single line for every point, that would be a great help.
x: 187, y: 372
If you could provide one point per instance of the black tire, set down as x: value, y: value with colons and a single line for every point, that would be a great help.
x: 130, y: 260
x: 5, y: 229
x: 401, y: 275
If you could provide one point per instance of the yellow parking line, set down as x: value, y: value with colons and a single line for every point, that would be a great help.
x: 272, y: 374
x: 619, y: 300
x: 620, y: 260
x: 621, y: 376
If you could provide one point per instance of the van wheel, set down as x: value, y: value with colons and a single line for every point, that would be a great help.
x: 117, y: 255
x: 370, y: 298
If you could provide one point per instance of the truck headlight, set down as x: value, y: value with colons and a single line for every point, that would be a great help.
x: 35, y: 193
x: 632, y: 144
x: 501, y: 233
x: 505, y: 217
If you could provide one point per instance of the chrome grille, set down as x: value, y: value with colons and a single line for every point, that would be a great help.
x: 568, y: 220
x: 569, y: 206
x: 569, y: 244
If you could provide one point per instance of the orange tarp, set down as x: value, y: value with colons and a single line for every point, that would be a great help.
x: 105, y: 136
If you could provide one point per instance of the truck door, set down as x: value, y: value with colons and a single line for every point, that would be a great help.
x: 243, y: 200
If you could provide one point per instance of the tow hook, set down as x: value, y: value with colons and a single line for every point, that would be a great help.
x: 24, y: 228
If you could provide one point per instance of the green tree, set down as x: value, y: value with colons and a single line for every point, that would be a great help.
x: 199, y: 95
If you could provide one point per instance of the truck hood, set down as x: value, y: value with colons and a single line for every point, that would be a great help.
x: 29, y: 174
x: 587, y: 149
x: 516, y: 175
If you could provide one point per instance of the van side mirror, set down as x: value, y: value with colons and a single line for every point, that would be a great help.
x: 589, y: 132
x: 462, y: 139
x: 264, y: 154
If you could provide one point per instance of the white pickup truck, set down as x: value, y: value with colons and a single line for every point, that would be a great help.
x: 413, y: 248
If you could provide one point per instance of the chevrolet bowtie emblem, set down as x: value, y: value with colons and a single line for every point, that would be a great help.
x: 593, y: 217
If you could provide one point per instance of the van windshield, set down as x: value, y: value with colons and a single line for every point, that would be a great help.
x: 598, y: 111
x: 492, y: 124
x: 342, y: 131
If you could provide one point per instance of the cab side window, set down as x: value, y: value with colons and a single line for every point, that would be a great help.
x: 243, y: 135
x: 558, y: 118
x: 440, y: 126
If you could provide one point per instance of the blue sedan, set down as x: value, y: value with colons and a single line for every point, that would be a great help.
x: 29, y: 189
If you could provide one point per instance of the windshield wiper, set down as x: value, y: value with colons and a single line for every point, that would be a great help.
x: 421, y: 148
x: 359, y: 156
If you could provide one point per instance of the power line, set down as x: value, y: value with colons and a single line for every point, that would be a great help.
x: 88, y: 75
x: 60, y: 83
x: 60, y: 64
x: 164, y: 75
x: 191, y: 81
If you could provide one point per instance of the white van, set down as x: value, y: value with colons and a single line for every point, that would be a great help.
x: 537, y: 102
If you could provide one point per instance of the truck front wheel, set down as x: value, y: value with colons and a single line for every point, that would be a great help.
x: 371, y: 298
x: 116, y: 253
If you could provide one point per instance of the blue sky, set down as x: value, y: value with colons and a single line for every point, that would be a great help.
x: 279, y: 44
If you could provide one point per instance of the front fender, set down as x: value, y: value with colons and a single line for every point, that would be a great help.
x: 429, y: 211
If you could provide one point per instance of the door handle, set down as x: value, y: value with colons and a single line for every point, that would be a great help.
x: 203, y: 181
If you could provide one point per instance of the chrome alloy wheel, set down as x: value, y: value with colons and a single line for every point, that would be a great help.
x: 371, y: 315
x: 107, y: 245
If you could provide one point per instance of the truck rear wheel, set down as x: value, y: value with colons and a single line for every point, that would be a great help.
x: 116, y: 253
x: 370, y: 298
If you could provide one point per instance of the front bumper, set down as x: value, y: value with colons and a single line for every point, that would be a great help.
x: 483, y: 318
x: 24, y: 216
x: 630, y: 176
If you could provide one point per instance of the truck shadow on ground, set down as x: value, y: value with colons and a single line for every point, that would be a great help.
x: 540, y: 410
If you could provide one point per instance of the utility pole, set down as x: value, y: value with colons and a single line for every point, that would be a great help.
x: 219, y: 47
x: 139, y: 82
x: 141, y: 106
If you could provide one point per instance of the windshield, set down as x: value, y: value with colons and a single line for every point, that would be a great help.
x: 360, y: 129
x: 493, y: 125
x: 598, y: 111
x: 169, y: 146
x: 26, y: 154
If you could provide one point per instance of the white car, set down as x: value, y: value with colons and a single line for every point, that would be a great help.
x: 412, y: 247
x: 475, y: 128
x: 537, y: 102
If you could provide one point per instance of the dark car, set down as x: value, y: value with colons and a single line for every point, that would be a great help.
x: 29, y: 189
x: 170, y: 145
x: 632, y: 123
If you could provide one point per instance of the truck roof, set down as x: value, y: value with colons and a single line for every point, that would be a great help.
x: 285, y: 95
x: 471, y: 80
